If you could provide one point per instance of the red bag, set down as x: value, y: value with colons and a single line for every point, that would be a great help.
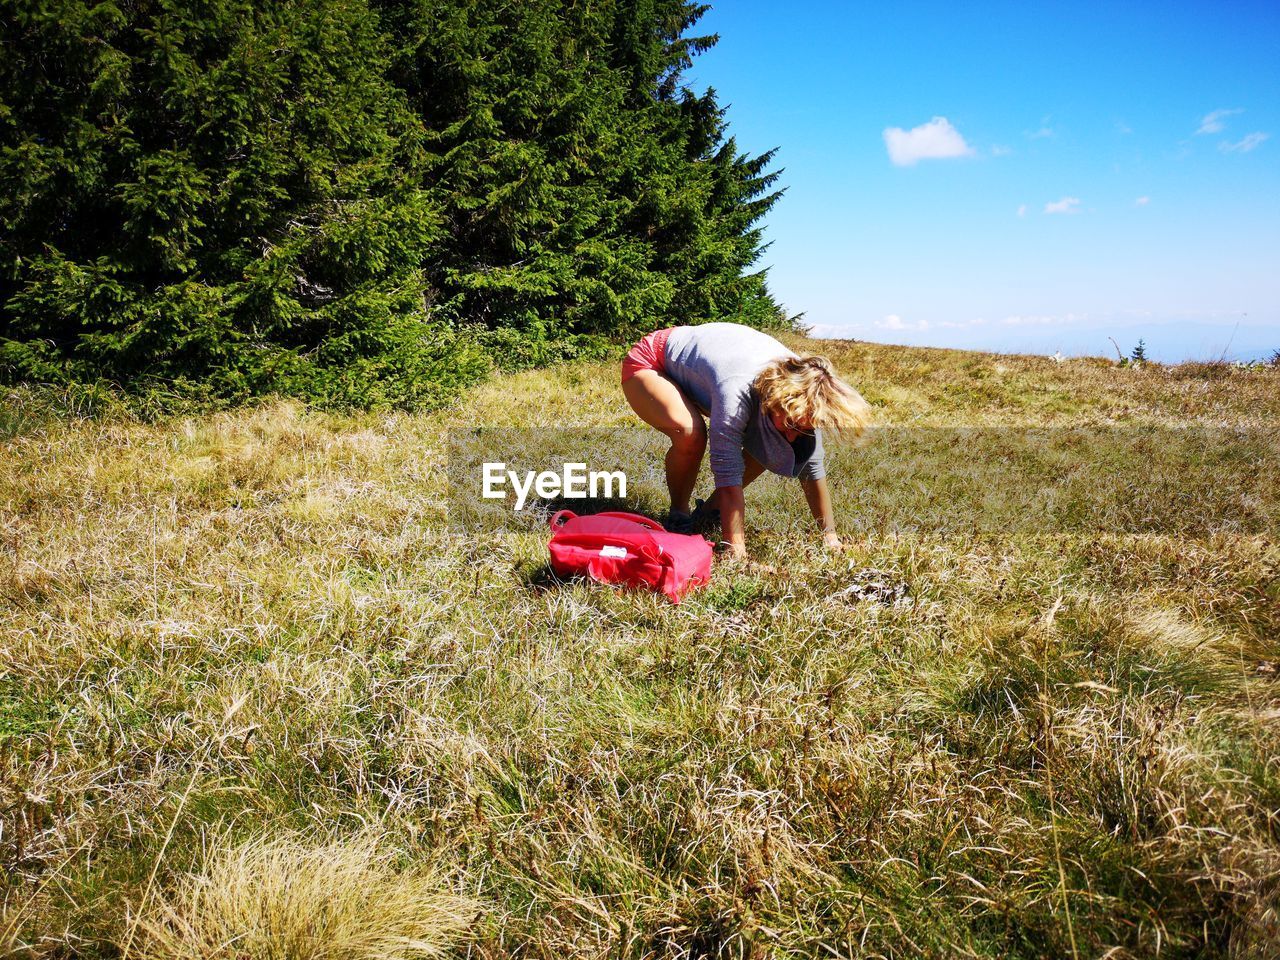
x: 629, y: 549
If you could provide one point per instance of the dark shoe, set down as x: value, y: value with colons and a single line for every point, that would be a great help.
x: 704, y: 515
x: 679, y: 522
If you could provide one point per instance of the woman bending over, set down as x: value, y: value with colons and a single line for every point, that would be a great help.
x: 766, y: 409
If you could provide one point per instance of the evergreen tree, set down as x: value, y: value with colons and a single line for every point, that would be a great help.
x: 224, y: 191
x: 585, y: 188
x: 327, y: 198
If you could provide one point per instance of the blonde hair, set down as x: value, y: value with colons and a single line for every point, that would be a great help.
x: 807, y: 390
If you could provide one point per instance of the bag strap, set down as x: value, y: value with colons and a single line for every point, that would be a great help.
x: 562, y: 517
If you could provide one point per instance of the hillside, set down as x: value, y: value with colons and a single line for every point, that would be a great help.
x: 248, y: 668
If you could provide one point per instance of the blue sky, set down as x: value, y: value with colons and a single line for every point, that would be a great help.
x: 1016, y: 176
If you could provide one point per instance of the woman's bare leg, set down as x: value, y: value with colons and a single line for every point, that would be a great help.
x: 663, y: 405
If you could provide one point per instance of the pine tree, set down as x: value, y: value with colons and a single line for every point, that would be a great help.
x: 325, y: 198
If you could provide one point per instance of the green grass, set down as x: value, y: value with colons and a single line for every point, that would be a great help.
x: 246, y: 644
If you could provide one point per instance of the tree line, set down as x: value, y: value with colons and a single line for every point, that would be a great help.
x: 360, y: 202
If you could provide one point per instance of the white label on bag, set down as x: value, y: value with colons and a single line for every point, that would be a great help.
x: 616, y: 552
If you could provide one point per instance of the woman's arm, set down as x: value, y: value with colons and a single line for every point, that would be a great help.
x: 815, y: 491
x: 732, y: 527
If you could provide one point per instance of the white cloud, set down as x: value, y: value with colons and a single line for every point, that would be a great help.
x: 895, y: 322
x: 1245, y: 145
x: 1065, y: 205
x: 1142, y: 201
x: 1000, y: 150
x: 1212, y: 122
x: 934, y: 140
x: 1123, y: 128
x: 1022, y: 209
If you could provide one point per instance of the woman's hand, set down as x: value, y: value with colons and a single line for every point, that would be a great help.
x: 815, y: 491
x: 732, y: 525
x: 728, y: 550
x: 740, y: 561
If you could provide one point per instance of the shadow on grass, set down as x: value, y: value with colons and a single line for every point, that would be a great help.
x: 585, y: 506
x: 541, y: 578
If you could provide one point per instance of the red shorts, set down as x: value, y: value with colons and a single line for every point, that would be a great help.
x: 648, y: 354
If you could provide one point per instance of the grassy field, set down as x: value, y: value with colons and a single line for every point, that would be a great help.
x: 257, y: 700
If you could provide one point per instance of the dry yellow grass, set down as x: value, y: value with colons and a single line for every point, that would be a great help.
x: 221, y: 633
x: 294, y: 899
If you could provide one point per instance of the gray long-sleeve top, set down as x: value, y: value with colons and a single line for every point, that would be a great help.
x: 715, y: 365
